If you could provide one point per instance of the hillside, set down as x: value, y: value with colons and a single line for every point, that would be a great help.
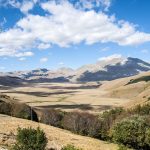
x: 56, y: 137
x: 135, y: 88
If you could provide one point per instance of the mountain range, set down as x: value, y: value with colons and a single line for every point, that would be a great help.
x: 105, y: 69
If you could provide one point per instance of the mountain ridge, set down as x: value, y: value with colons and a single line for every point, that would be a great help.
x: 108, y: 68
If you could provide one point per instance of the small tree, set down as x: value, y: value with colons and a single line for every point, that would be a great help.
x: 70, y: 147
x: 30, y: 139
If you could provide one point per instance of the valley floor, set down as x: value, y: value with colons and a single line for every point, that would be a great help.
x: 65, y: 96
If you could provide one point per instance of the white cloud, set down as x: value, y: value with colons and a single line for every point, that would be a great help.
x: 106, y: 4
x: 105, y: 49
x: 24, y: 54
x: 13, y: 3
x: 65, y: 25
x: 44, y: 46
x: 26, y: 6
x: 90, y: 4
x: 43, y: 60
x: 111, y: 57
x: 22, y: 58
x: 23, y: 5
x: 61, y: 63
x: 145, y: 51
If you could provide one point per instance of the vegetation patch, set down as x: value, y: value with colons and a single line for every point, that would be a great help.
x: 16, y: 109
x: 144, y: 78
x: 70, y: 147
x: 30, y: 139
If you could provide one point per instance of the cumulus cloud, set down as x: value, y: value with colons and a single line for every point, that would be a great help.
x: 23, y: 5
x: 26, y: 6
x: 65, y: 25
x: 90, y: 4
x: 23, y: 54
x: 43, y: 46
x: 43, y: 60
x: 22, y: 58
x: 111, y: 57
x: 13, y: 3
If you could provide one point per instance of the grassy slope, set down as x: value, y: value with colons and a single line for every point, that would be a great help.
x: 56, y: 137
x: 138, y: 92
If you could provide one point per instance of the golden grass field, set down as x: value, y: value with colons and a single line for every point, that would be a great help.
x: 56, y: 137
x: 66, y: 96
x: 69, y: 97
x: 87, y: 97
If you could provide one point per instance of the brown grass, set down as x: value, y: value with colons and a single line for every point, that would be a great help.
x: 56, y: 137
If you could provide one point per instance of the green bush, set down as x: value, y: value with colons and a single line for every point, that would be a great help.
x: 132, y: 132
x: 108, y: 118
x: 142, y: 110
x: 70, y: 147
x: 30, y: 139
x: 122, y: 147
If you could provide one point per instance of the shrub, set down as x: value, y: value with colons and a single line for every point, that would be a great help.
x: 16, y: 109
x: 131, y: 132
x: 147, y: 137
x: 70, y: 147
x: 108, y: 119
x: 142, y: 110
x: 5, y: 108
x: 122, y: 147
x: 30, y: 139
x: 82, y: 123
x: 52, y: 117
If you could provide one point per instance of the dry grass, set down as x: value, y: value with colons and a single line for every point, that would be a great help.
x: 56, y: 137
x: 69, y: 96
x: 65, y: 96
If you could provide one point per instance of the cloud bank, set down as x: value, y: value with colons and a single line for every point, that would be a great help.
x: 66, y: 24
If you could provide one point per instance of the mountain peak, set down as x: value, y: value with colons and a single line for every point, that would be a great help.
x: 107, y: 68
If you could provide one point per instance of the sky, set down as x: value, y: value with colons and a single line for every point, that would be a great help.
x: 70, y: 33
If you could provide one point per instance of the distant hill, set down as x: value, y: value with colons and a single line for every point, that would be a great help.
x: 6, y: 80
x: 104, y: 70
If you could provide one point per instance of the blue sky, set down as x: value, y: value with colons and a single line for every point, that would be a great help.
x: 57, y: 33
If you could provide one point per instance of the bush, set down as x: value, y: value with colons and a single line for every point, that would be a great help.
x: 30, y: 139
x: 5, y: 108
x: 19, y: 110
x: 108, y: 118
x: 142, y: 110
x: 52, y: 117
x: 122, y: 147
x: 131, y: 132
x: 82, y: 123
x: 70, y: 147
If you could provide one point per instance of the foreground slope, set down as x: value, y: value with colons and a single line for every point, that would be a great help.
x: 56, y: 137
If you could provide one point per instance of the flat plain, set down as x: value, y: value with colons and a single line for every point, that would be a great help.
x: 65, y: 96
